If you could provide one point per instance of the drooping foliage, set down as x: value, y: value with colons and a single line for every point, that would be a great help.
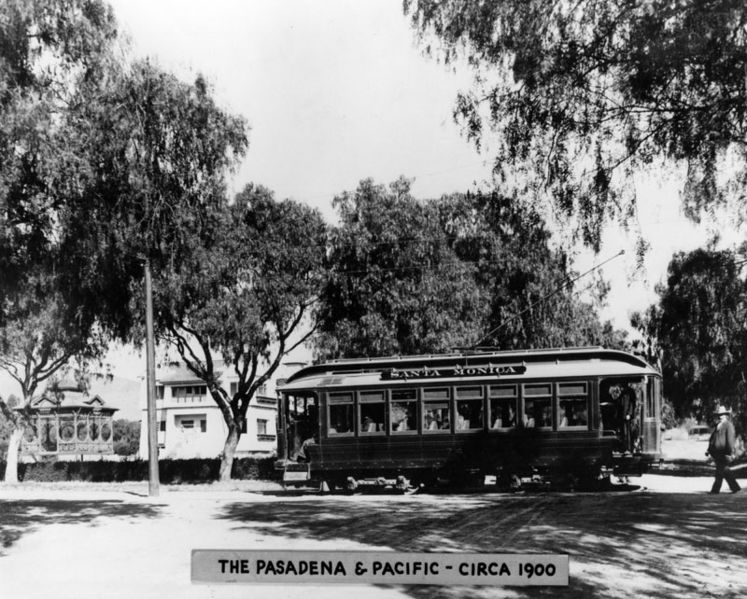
x: 157, y: 151
x: 699, y: 329
x: 53, y: 55
x: 575, y: 98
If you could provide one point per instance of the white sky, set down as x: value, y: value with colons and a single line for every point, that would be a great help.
x: 335, y: 91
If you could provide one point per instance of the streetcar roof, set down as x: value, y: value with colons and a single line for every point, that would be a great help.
x: 466, y: 368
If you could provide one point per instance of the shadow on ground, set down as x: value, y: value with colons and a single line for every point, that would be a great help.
x: 19, y: 517
x: 642, y: 544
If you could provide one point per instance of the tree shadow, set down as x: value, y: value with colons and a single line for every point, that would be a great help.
x: 19, y: 517
x: 648, y: 544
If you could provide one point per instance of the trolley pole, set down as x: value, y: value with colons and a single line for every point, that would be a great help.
x: 150, y: 364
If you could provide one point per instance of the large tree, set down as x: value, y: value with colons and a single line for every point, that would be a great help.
x: 54, y: 58
x: 153, y: 180
x: 38, y: 342
x: 699, y: 329
x: 409, y: 276
x: 244, y: 299
x: 575, y: 98
x: 534, y: 297
x: 395, y: 286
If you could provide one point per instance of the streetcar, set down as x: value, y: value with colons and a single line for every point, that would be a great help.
x: 490, y: 418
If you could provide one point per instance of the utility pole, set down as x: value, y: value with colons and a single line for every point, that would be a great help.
x: 150, y: 365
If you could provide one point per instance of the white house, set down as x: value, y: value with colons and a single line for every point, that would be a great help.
x: 190, y: 425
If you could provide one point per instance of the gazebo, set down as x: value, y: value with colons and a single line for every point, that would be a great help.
x: 66, y: 422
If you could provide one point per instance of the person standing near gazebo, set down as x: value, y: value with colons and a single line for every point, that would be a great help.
x: 722, y: 447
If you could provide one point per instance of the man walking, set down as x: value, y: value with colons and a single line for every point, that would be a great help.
x: 721, y: 447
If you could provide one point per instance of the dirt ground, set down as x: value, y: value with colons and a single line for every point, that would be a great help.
x: 669, y: 538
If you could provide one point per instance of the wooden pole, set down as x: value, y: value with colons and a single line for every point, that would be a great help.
x: 150, y: 362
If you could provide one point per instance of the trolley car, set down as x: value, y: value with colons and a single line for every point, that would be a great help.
x: 574, y: 414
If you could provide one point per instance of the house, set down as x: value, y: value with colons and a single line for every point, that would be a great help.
x: 68, y: 424
x: 190, y: 424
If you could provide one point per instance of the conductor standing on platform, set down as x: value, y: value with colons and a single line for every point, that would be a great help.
x: 721, y: 447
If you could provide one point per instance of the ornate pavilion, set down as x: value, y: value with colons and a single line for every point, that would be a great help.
x: 67, y: 423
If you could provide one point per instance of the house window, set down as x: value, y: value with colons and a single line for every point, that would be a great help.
x: 261, y: 427
x: 189, y: 393
x: 188, y: 424
x: 162, y: 426
x: 203, y: 426
x: 159, y: 391
x: 233, y: 388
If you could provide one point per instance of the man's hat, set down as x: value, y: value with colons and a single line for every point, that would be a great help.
x: 722, y: 410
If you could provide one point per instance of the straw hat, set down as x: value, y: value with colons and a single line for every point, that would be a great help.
x: 722, y: 410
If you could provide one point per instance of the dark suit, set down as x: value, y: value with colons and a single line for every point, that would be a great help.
x: 628, y: 411
x: 721, y: 448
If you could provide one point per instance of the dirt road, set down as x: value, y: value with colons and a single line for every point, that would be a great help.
x: 669, y: 539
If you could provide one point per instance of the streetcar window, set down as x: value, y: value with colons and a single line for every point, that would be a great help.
x: 404, y: 411
x: 468, y: 414
x: 650, y: 398
x: 371, y: 415
x: 537, y: 406
x: 573, y: 407
x: 436, y: 416
x: 341, y: 419
x: 503, y: 406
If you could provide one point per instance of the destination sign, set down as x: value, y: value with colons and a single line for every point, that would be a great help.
x: 458, y: 371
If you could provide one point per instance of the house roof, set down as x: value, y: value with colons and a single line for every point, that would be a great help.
x: 71, y: 400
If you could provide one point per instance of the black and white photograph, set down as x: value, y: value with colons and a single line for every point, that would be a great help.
x: 375, y: 298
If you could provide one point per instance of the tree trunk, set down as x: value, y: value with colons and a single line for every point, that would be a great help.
x: 14, y: 447
x: 229, y: 450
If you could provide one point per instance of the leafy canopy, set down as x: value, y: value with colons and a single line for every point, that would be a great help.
x: 410, y: 277
x: 245, y: 293
x: 575, y: 98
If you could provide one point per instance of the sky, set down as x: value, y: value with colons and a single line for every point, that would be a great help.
x: 337, y: 91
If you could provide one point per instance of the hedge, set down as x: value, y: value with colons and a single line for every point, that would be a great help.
x: 170, y: 471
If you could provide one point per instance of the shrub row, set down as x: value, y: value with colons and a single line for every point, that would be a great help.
x: 170, y: 471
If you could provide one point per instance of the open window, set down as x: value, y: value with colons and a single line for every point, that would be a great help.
x: 573, y: 406
x: 469, y: 413
x: 503, y: 405
x: 340, y: 416
x: 436, y: 410
x: 537, y: 406
x: 371, y: 412
x: 404, y: 411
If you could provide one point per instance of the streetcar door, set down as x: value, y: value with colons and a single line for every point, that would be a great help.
x: 300, y: 424
x: 621, y: 403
